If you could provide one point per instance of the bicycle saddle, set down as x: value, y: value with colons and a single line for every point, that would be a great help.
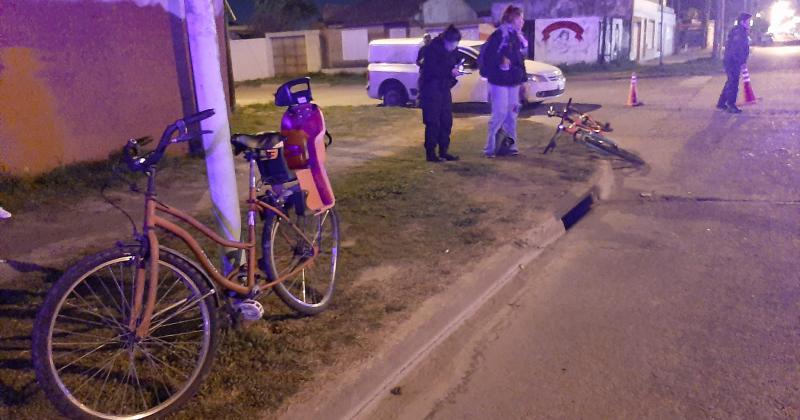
x: 260, y: 141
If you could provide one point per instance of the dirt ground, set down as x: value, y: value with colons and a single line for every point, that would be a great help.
x: 410, y: 230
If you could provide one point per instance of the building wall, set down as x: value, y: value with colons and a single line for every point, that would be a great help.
x: 567, y: 40
x: 79, y: 78
x: 331, y: 43
x: 469, y: 31
x: 313, y: 47
x: 649, y: 14
x: 251, y: 59
x: 552, y: 9
x: 446, y: 11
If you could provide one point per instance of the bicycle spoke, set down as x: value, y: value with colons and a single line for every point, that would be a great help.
x: 81, y: 334
x: 99, y: 299
x: 180, y: 334
x: 111, y: 297
x: 82, y: 357
x: 155, y: 368
x: 95, y: 314
x: 174, y: 345
x: 138, y: 383
x: 89, y: 379
x: 165, y: 294
x: 108, y: 375
x: 125, y: 303
x: 188, y: 305
x: 166, y: 365
x: 81, y: 320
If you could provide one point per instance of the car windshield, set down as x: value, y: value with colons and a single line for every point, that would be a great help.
x: 470, y: 60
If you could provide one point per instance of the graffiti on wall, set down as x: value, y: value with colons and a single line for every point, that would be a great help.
x: 567, y: 41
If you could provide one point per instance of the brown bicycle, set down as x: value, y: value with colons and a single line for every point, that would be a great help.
x: 131, y: 332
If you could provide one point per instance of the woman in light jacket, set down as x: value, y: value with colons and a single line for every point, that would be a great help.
x: 505, y: 71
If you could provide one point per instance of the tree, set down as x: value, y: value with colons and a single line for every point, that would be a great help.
x: 284, y: 15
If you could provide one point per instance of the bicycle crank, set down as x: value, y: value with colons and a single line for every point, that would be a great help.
x: 250, y: 309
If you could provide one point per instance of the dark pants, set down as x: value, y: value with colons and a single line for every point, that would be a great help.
x: 437, y: 115
x: 731, y: 89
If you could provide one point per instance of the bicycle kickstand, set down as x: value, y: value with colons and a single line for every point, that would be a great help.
x: 550, y: 146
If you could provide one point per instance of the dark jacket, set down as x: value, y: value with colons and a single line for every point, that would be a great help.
x: 437, y: 66
x: 737, y: 48
x: 496, y: 48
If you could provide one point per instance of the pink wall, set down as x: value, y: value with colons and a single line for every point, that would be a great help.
x: 79, y: 78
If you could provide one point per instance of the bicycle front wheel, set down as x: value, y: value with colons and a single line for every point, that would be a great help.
x: 606, y: 145
x: 91, y: 365
x: 310, y: 291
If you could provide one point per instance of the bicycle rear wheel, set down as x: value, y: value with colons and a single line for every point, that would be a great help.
x: 89, y: 363
x: 606, y: 145
x: 310, y: 291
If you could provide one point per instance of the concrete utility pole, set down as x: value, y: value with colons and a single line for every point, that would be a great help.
x: 204, y: 48
x: 661, y: 41
x: 719, y: 29
x: 706, y: 19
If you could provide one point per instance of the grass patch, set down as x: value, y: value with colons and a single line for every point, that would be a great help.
x: 341, y: 78
x: 430, y: 220
x: 612, y: 66
x: 71, y: 183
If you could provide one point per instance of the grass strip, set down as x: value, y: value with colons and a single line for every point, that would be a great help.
x: 428, y: 222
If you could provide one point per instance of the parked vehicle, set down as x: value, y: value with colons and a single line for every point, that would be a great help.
x: 393, y: 74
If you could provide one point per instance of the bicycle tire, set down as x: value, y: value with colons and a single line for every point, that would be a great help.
x: 311, y: 290
x: 102, y: 282
x: 607, y: 145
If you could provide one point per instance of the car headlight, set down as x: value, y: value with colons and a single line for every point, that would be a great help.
x: 537, y: 78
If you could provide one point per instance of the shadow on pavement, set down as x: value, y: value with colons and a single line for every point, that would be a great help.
x: 471, y: 109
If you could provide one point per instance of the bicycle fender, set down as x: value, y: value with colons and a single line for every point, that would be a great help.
x: 134, y: 246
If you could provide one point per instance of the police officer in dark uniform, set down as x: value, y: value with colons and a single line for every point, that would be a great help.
x: 437, y: 77
x: 737, y: 49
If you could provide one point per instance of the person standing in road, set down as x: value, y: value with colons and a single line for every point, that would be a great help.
x: 737, y: 49
x: 505, y: 70
x: 437, y: 76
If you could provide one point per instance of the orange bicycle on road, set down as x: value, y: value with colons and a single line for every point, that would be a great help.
x: 588, y: 132
x: 131, y: 332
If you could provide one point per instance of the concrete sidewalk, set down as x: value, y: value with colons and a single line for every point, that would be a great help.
x: 681, y: 57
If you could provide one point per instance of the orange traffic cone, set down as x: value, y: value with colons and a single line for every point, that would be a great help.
x: 633, y: 97
x: 749, y: 96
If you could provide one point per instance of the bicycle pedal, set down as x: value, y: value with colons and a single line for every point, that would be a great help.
x: 251, y: 309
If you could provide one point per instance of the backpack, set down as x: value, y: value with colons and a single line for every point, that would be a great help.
x: 482, y: 65
x: 482, y: 60
x: 503, y: 143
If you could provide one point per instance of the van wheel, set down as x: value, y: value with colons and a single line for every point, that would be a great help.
x: 394, y: 96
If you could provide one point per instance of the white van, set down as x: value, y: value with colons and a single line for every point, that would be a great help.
x: 393, y: 74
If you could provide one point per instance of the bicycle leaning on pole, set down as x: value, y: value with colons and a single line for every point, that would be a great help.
x: 131, y: 332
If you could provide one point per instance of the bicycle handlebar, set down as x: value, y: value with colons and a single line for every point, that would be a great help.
x: 199, y: 116
x: 132, y: 150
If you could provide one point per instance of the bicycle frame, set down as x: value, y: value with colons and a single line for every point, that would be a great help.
x: 575, y: 125
x: 143, y: 307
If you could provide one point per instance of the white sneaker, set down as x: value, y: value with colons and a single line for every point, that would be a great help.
x: 4, y: 214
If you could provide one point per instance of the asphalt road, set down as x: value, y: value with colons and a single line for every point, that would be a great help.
x: 677, y: 298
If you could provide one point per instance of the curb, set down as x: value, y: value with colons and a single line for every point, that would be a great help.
x: 357, y: 398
